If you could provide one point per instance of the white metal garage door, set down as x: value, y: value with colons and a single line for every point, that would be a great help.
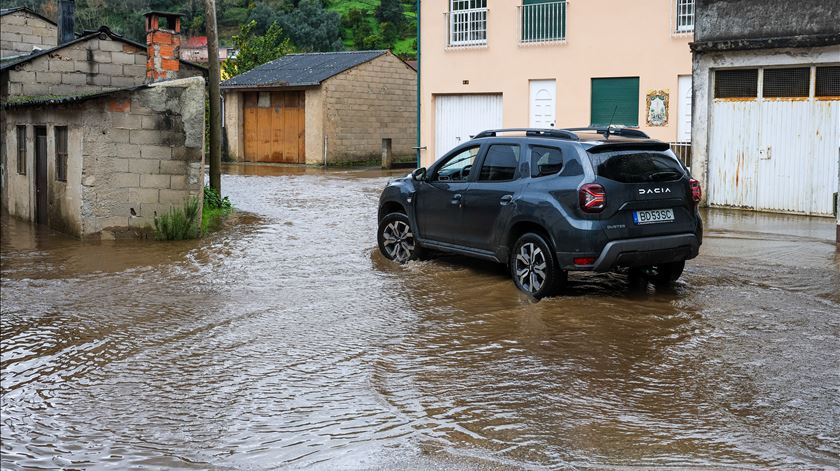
x: 457, y: 117
x: 774, y: 139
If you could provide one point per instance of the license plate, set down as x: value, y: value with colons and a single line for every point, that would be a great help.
x: 653, y: 216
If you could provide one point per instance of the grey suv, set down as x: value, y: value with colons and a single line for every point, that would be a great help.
x: 547, y: 201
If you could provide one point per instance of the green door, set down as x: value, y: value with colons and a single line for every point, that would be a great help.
x: 615, y: 95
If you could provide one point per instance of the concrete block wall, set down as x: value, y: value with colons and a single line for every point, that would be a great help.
x: 132, y: 156
x: 93, y: 65
x: 367, y: 103
x: 21, y: 32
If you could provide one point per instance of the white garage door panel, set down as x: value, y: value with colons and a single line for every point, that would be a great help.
x: 775, y: 155
x: 733, y: 156
x: 785, y: 160
x: 457, y: 117
x: 825, y: 142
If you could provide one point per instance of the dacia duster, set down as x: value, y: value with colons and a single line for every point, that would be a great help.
x: 548, y: 201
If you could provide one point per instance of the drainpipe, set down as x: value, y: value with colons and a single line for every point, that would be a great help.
x: 418, y: 83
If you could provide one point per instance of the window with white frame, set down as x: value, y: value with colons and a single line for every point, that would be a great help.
x: 685, y: 16
x: 467, y: 22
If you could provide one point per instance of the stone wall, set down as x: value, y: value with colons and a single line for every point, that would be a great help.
x: 96, y: 64
x: 717, y: 20
x: 132, y: 155
x: 21, y: 32
x: 372, y: 101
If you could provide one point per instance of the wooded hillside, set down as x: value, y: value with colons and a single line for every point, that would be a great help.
x: 311, y: 25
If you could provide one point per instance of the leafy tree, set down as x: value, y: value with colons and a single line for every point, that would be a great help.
x: 311, y: 27
x: 359, y: 27
x: 390, y: 11
x: 255, y: 50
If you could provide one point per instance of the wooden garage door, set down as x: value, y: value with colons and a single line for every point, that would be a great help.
x: 274, y: 127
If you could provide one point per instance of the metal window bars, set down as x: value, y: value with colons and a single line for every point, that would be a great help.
x: 542, y: 22
x: 685, y: 16
x: 467, y: 23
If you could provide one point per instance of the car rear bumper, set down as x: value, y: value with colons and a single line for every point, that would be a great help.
x: 647, y: 251
x: 640, y: 252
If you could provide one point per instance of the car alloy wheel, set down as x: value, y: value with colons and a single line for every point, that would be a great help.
x: 398, y: 241
x: 531, y: 266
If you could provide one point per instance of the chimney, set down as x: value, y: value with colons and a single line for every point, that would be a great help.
x: 66, y: 21
x: 163, y: 44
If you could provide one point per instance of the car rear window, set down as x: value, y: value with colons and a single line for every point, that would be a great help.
x: 637, y: 166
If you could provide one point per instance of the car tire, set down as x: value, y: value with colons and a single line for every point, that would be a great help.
x: 396, y: 239
x: 533, y: 268
x: 668, y: 273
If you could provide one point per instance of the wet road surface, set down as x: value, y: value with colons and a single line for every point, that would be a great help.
x: 287, y: 340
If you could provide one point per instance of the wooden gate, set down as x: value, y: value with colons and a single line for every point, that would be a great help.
x: 274, y: 127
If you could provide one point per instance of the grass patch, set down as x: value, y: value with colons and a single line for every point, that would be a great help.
x: 212, y: 218
x: 216, y: 210
x: 178, y: 223
x: 183, y: 223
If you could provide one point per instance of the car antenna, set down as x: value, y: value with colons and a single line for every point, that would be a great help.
x: 609, y: 126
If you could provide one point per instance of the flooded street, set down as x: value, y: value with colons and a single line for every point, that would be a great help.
x: 287, y: 340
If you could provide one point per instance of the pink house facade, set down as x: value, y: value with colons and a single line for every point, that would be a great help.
x: 536, y: 63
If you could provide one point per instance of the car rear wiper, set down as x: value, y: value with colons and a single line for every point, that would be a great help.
x: 662, y: 176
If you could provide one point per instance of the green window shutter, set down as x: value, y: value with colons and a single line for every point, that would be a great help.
x: 543, y: 20
x: 619, y: 95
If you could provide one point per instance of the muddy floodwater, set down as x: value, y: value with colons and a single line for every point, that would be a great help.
x: 286, y: 340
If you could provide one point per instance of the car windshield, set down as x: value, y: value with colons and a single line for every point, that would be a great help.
x: 637, y: 166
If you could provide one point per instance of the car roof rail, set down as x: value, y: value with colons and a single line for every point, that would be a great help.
x: 532, y: 132
x: 612, y: 131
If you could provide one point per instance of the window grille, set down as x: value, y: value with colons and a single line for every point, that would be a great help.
x: 61, y: 153
x: 741, y: 83
x: 787, y: 82
x: 685, y: 16
x: 828, y: 81
x: 21, y: 150
x: 542, y: 21
x: 467, y: 22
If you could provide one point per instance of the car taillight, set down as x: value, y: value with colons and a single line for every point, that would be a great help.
x: 593, y: 198
x: 696, y: 192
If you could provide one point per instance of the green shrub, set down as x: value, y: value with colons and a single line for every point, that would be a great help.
x: 178, y: 223
x: 213, y: 200
x: 216, y: 209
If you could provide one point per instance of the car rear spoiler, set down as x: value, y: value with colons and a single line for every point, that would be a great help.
x: 629, y: 145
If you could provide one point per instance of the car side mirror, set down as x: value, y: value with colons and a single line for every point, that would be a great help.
x: 419, y: 174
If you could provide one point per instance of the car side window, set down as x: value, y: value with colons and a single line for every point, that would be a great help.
x: 545, y: 161
x: 458, y: 167
x: 500, y: 163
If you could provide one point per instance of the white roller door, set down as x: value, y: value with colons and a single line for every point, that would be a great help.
x: 457, y: 117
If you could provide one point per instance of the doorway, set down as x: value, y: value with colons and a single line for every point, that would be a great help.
x: 41, y: 175
x: 543, y: 103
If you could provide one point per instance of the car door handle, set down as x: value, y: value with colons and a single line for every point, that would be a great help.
x: 456, y: 200
x: 505, y: 200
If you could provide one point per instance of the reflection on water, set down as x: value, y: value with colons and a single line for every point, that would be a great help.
x: 287, y: 340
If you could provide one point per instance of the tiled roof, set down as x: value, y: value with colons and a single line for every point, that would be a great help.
x: 297, y: 70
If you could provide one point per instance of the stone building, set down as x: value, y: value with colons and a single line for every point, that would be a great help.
x: 766, y: 115
x: 101, y: 134
x: 96, y: 61
x: 23, y: 31
x: 334, y: 107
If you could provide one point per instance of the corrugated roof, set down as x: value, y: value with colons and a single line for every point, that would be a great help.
x: 31, y: 101
x: 299, y: 70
